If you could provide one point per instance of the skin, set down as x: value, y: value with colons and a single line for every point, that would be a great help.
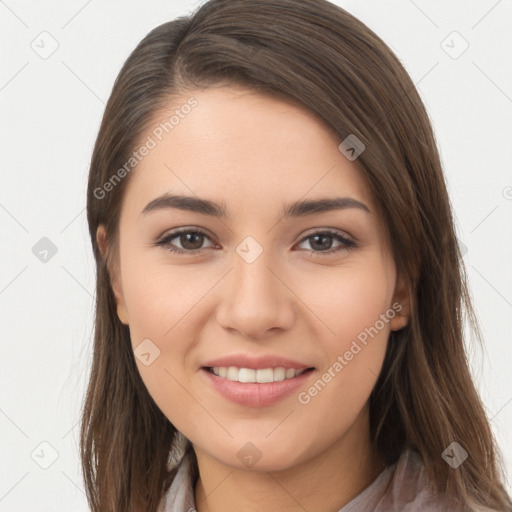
x: 256, y: 153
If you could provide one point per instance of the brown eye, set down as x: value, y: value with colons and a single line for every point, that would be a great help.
x: 190, y: 241
x: 322, y: 241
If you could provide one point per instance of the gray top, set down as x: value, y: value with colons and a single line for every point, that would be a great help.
x: 400, y: 487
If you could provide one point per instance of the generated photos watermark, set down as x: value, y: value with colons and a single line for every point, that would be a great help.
x: 305, y: 397
x: 144, y: 150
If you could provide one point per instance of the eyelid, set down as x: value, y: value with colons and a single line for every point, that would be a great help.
x: 330, y: 231
x: 184, y: 229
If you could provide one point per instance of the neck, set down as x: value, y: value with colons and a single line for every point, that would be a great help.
x: 337, y: 475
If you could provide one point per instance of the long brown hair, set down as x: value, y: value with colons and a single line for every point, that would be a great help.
x: 334, y: 65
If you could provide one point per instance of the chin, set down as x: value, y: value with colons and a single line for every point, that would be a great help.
x: 259, y: 456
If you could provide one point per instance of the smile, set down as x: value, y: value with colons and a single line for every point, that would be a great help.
x: 263, y: 375
x: 242, y: 387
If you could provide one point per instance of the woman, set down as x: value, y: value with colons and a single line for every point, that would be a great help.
x: 240, y: 363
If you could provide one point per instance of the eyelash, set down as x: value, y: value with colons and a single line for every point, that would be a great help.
x: 348, y: 244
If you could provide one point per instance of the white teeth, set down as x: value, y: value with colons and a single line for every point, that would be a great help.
x: 246, y: 375
x: 266, y: 375
x: 251, y: 375
x: 231, y: 373
x: 290, y: 373
x: 279, y: 374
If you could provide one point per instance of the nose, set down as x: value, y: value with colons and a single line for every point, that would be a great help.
x: 256, y: 300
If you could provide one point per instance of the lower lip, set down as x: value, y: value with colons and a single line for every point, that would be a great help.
x: 255, y: 394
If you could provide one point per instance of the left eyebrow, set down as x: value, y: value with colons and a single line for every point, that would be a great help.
x: 311, y: 207
x: 301, y: 208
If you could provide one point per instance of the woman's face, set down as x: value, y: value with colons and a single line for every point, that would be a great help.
x: 254, y: 284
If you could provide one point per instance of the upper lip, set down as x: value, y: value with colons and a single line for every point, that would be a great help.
x: 258, y: 363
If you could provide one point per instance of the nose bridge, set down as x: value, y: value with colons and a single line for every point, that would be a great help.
x: 255, y: 301
x: 252, y: 273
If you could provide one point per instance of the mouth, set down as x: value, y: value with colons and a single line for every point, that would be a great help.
x: 251, y: 387
x: 256, y: 376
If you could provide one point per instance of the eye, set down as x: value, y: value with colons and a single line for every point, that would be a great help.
x: 191, y: 240
x: 323, y: 240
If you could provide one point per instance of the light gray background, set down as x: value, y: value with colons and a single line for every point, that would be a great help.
x: 50, y: 114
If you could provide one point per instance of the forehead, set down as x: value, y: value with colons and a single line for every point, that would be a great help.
x: 243, y: 148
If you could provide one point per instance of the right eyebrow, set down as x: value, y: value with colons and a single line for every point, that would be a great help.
x: 188, y: 203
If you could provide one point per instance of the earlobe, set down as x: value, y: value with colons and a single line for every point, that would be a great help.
x: 121, y: 312
x: 116, y: 285
x: 399, y: 321
x: 401, y: 302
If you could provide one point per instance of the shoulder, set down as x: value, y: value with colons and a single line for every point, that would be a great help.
x: 402, y: 486
x: 411, y: 491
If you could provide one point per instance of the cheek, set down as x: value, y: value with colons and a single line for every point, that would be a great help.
x: 349, y: 299
x: 160, y: 298
x: 354, y: 306
x: 163, y: 303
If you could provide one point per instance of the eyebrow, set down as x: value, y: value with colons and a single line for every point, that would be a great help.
x: 301, y: 208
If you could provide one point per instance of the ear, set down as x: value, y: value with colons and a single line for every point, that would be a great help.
x: 401, y: 297
x: 114, y: 274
